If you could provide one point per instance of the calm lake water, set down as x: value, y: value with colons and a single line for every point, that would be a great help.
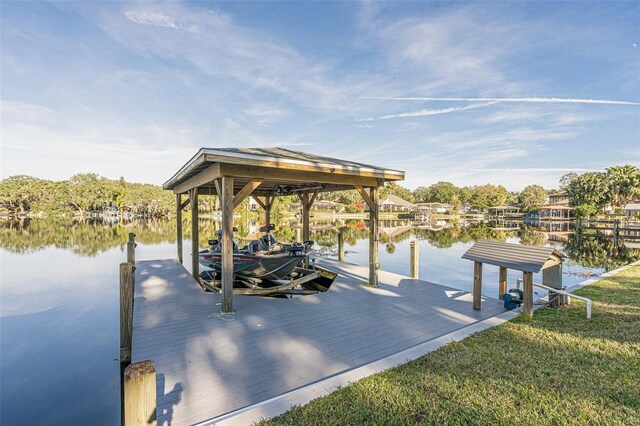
x: 59, y: 293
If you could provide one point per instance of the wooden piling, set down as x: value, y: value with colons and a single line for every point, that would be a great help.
x: 477, y: 285
x: 131, y: 248
x: 414, y: 260
x: 340, y: 246
x: 140, y: 394
x: 502, y: 282
x: 527, y: 288
x: 127, y: 285
x: 374, y: 236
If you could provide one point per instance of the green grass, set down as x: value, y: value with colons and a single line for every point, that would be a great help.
x: 557, y: 368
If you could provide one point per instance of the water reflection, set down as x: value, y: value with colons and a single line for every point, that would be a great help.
x: 92, y: 236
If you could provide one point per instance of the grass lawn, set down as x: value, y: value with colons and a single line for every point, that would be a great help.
x: 557, y: 368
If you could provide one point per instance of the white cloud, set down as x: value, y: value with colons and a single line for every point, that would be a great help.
x: 513, y: 100
x: 427, y: 112
x: 150, y: 18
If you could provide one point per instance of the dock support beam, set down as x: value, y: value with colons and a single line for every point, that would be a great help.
x: 414, y: 260
x: 195, y: 265
x: 131, y: 248
x: 502, y: 282
x: 179, y: 225
x: 527, y: 288
x: 227, y: 244
x: 374, y: 262
x: 477, y: 285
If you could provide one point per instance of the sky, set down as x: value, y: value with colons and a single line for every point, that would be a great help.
x: 510, y: 93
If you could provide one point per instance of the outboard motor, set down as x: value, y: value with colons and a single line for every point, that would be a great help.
x: 513, y: 298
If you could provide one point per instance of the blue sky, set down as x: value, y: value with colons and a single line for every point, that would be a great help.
x: 466, y: 92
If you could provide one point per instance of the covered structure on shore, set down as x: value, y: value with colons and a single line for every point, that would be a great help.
x: 265, y: 173
x: 504, y: 212
x: 556, y: 212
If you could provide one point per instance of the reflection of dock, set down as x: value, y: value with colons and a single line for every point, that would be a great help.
x: 282, y: 351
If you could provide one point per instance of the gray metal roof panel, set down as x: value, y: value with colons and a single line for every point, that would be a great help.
x: 512, y: 256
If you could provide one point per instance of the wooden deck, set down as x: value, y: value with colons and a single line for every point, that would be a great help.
x: 208, y: 366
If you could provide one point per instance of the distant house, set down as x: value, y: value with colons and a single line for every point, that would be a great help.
x: 393, y: 203
x: 559, y: 198
x: 632, y: 210
x: 555, y: 212
x: 504, y: 212
x: 432, y: 208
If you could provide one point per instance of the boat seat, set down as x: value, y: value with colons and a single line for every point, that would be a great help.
x: 265, y: 242
x: 254, y: 246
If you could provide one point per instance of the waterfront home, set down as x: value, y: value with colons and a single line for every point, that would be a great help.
x: 559, y: 198
x: 393, y: 203
x: 432, y: 208
x: 504, y: 212
x: 556, y: 212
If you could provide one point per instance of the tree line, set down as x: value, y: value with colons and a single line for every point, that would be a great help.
x: 84, y: 193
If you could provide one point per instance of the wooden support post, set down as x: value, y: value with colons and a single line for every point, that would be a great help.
x: 414, y: 260
x: 227, y: 244
x: 374, y: 261
x: 179, y: 225
x: 502, y: 282
x: 477, y: 285
x: 195, y: 246
x: 267, y: 210
x: 127, y: 288
x: 340, y: 245
x: 306, y: 222
x: 140, y: 394
x: 131, y: 248
x: 527, y: 289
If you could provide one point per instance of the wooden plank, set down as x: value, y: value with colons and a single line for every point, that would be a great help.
x: 502, y: 282
x: 207, y: 175
x: 367, y: 199
x: 477, y: 285
x: 195, y: 246
x: 227, y: 244
x: 340, y: 245
x: 185, y: 203
x: 527, y: 288
x: 374, y: 261
x: 246, y: 191
x: 127, y: 290
x: 140, y: 400
x: 179, y: 224
x: 313, y: 198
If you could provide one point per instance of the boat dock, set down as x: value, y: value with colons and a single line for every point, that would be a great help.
x: 217, y: 368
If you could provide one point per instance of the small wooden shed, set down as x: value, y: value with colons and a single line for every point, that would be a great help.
x: 527, y: 259
x: 265, y: 173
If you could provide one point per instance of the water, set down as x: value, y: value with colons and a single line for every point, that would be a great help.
x: 59, y: 296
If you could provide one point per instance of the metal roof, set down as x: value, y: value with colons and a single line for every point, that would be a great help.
x: 279, y: 159
x: 513, y: 256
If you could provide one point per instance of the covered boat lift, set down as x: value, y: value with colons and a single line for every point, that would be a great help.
x: 265, y: 173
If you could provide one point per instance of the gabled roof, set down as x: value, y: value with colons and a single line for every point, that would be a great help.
x: 514, y: 256
x: 278, y: 166
x: 397, y: 201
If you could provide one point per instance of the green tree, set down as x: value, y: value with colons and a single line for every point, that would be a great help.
x: 532, y: 197
x: 488, y: 195
x: 623, y: 183
x: 566, y: 179
x: 589, y: 189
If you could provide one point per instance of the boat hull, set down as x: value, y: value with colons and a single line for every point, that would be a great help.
x: 271, y: 267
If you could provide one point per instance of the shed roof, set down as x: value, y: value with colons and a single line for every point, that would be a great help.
x: 277, y: 166
x: 632, y: 206
x: 514, y: 256
x: 504, y: 207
